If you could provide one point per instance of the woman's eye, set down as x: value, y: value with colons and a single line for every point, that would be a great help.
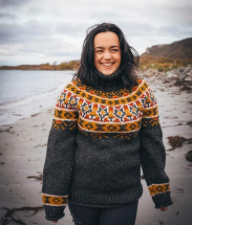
x: 114, y: 50
x: 99, y: 51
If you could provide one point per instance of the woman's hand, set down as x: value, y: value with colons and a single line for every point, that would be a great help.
x: 55, y: 221
x: 163, y: 209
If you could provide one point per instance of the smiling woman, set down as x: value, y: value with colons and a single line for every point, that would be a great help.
x: 105, y: 127
x: 107, y: 43
x: 107, y: 52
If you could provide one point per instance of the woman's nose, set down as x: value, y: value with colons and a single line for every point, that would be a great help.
x: 107, y: 55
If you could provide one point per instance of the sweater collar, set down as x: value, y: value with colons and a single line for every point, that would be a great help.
x: 110, y: 82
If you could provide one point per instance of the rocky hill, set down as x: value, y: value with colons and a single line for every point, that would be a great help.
x: 177, y: 50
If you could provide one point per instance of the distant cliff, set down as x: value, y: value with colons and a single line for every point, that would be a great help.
x: 177, y: 50
x: 167, y: 57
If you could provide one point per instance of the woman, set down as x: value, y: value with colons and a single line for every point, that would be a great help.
x: 106, y: 125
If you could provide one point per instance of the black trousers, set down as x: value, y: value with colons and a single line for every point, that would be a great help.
x: 125, y: 215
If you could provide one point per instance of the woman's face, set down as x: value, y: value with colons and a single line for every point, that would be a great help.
x: 107, y: 53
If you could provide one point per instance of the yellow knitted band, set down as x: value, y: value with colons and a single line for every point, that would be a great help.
x: 63, y: 114
x: 159, y: 188
x: 109, y: 127
x: 54, y: 200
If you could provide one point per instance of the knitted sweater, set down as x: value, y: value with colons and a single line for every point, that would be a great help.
x: 99, y: 139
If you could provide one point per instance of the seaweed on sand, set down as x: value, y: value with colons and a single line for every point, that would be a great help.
x: 177, y: 141
x: 7, y: 218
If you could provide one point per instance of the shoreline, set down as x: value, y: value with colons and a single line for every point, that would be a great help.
x: 30, y: 96
x: 23, y: 148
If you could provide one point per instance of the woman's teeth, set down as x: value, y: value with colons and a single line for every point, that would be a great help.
x: 107, y: 64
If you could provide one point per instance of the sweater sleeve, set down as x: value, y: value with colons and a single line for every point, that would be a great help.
x: 153, y: 156
x: 58, y: 167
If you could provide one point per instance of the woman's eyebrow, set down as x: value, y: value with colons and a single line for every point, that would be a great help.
x: 99, y: 47
x: 113, y: 46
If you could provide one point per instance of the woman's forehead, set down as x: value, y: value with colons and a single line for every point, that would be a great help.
x: 106, y: 39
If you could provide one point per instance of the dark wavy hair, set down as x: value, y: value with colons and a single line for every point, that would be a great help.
x: 129, y: 57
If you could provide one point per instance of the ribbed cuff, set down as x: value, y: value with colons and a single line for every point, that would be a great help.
x: 162, y: 200
x: 54, y: 213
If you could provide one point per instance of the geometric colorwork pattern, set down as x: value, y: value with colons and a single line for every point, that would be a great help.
x: 80, y: 92
x: 64, y: 125
x: 108, y: 127
x: 151, y: 121
x: 65, y: 115
x: 54, y: 200
x: 158, y: 188
x: 127, y: 136
x: 96, y: 112
x: 150, y: 112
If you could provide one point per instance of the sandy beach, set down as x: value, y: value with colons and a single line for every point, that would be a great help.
x: 23, y: 149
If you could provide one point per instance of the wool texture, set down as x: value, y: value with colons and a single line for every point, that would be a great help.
x: 99, y: 140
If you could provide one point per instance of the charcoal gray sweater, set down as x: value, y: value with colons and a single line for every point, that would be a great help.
x: 99, y: 139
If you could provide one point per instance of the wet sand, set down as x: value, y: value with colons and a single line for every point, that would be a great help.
x: 23, y: 149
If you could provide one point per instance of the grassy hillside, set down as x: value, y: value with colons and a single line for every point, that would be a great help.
x: 161, y: 63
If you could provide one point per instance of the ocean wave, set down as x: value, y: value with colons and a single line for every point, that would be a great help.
x: 31, y: 99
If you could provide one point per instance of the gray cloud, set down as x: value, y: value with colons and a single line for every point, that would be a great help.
x: 7, y: 15
x: 71, y: 28
x: 36, y: 10
x: 14, y: 3
x: 31, y: 30
x: 47, y: 30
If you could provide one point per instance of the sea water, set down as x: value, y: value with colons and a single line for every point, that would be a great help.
x: 23, y: 92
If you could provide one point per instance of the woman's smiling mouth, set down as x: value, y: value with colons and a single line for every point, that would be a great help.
x: 107, y: 65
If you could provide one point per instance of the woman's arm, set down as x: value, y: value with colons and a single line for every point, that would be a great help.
x: 153, y: 156
x: 58, y: 167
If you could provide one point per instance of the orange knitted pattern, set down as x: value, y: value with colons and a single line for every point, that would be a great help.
x: 98, y: 113
x: 158, y: 188
x: 54, y: 200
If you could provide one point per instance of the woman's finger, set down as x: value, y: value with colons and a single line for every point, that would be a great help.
x: 164, y: 209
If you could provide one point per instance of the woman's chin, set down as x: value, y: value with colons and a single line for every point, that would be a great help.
x: 107, y: 72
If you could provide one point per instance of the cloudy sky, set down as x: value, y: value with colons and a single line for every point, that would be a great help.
x: 47, y: 31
